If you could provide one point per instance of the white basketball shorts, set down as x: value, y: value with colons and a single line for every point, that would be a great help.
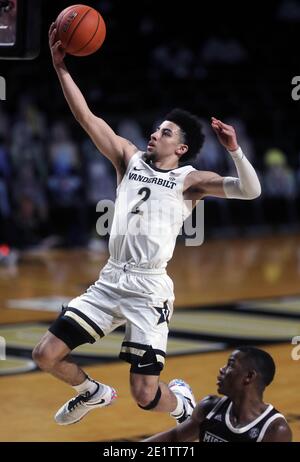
x: 142, y: 299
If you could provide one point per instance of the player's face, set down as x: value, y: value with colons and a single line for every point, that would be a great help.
x: 230, y: 378
x: 165, y: 141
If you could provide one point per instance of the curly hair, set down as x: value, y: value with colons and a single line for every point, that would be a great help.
x: 191, y: 131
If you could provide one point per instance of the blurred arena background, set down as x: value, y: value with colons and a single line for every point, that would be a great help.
x: 233, y: 61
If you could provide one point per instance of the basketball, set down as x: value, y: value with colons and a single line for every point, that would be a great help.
x: 81, y: 30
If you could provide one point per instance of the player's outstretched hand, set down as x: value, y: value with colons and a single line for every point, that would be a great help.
x: 57, y: 51
x: 225, y: 133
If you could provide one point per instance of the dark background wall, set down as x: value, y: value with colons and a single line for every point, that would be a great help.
x: 234, y: 60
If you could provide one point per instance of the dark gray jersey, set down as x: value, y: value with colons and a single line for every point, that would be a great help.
x: 217, y: 428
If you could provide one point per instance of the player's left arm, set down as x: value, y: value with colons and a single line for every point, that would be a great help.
x: 245, y: 186
x: 278, y: 432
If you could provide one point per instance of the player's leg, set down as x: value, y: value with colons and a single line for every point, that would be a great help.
x: 78, y: 324
x: 152, y: 394
x: 144, y: 347
x: 53, y: 355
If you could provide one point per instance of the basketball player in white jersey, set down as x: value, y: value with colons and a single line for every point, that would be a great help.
x: 241, y: 415
x: 133, y: 288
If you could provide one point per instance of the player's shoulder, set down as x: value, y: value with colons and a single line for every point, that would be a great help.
x: 129, y: 151
x: 204, y: 406
x: 131, y: 154
x: 278, y: 431
x: 209, y: 402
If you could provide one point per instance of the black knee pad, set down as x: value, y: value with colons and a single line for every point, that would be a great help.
x: 148, y: 363
x: 69, y: 331
x: 152, y: 369
x: 153, y: 403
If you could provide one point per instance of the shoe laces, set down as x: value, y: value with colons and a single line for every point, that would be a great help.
x: 78, y: 400
x: 81, y: 399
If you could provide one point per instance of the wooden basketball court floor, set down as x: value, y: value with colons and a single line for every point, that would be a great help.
x: 228, y: 292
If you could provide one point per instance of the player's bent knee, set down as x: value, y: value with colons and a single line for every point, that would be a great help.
x: 148, y: 404
x: 43, y: 358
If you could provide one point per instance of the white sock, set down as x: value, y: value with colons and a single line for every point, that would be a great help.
x: 87, y: 385
x: 178, y: 411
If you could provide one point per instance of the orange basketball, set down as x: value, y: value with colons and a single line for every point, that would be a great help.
x: 81, y: 30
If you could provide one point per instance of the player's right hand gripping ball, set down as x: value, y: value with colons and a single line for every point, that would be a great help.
x: 81, y: 30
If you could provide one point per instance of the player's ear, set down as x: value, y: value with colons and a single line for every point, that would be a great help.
x: 182, y: 149
x: 251, y: 376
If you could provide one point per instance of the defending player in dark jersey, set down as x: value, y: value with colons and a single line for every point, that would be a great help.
x: 241, y: 415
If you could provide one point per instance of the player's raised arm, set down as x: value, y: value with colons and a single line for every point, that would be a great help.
x: 245, y: 186
x: 116, y: 149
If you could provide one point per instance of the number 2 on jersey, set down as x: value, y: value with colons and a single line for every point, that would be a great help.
x: 146, y: 192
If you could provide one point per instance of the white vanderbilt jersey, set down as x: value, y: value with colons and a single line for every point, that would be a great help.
x: 149, y: 213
